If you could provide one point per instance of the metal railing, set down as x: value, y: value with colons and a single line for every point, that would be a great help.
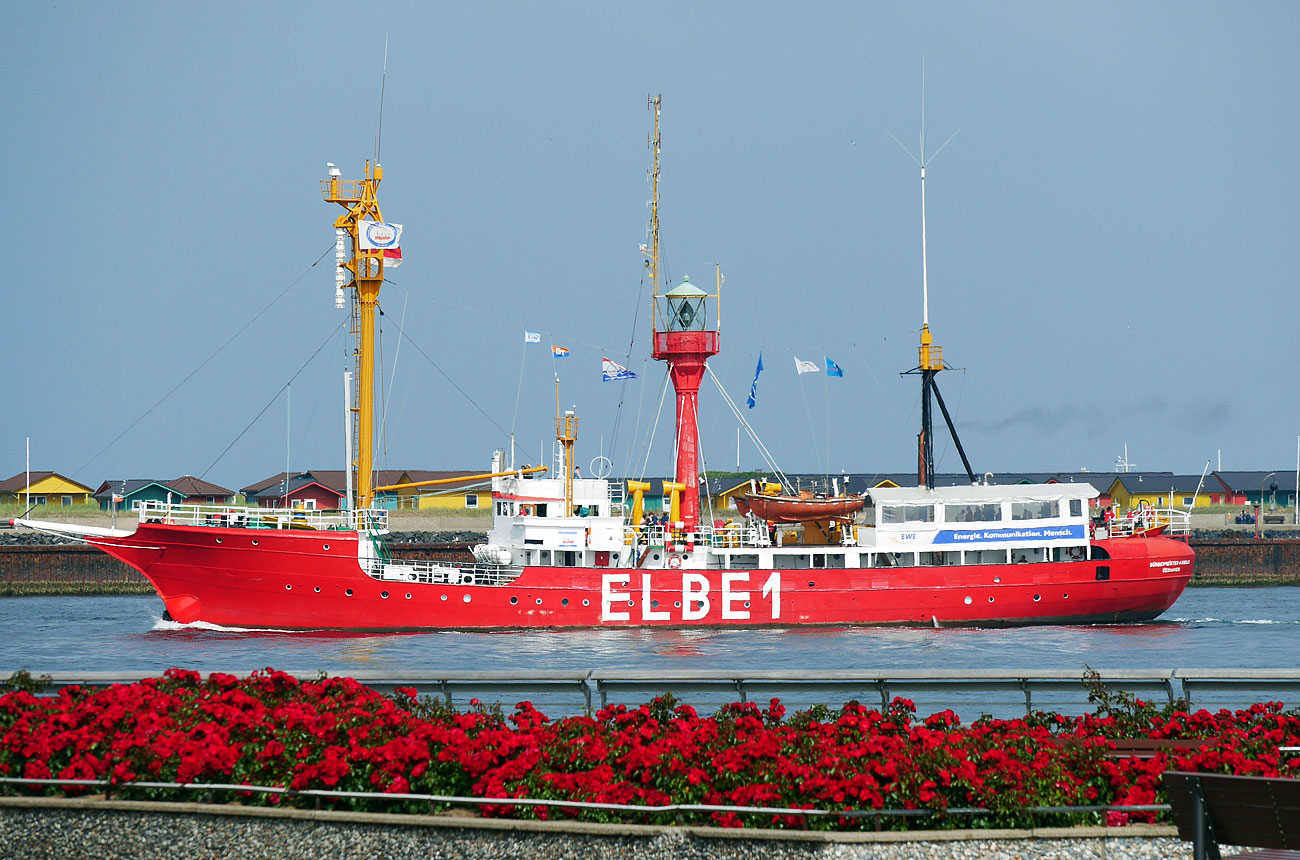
x: 678, y: 809
x: 733, y: 535
x: 441, y: 572
x: 1177, y: 523
x: 231, y: 516
x: 969, y: 693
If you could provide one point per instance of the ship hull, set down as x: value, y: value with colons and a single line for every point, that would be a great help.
x: 290, y: 580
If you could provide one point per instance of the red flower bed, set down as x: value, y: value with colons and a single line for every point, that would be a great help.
x: 270, y: 729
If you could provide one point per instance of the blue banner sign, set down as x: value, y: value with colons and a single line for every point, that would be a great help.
x: 1072, y: 532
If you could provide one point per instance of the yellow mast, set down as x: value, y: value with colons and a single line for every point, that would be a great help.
x: 652, y: 253
x: 366, y: 268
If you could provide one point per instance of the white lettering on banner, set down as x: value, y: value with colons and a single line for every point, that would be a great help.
x: 729, y: 597
x: 648, y: 614
x: 608, y: 596
x: 691, y: 596
x: 773, y: 587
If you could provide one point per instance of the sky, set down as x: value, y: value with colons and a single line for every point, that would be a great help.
x: 1111, y: 234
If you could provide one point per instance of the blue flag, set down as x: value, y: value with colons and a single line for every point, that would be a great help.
x: 753, y: 388
x: 833, y: 369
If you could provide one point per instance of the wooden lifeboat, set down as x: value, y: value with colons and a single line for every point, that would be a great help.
x: 798, y: 509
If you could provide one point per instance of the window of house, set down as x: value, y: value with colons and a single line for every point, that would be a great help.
x: 1187, y: 501
x: 135, y: 504
x: 66, y: 501
x: 38, y: 500
x: 471, y: 500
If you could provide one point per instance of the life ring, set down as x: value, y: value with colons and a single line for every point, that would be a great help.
x: 674, y: 562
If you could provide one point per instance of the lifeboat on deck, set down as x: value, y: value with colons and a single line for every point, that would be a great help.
x: 798, y: 509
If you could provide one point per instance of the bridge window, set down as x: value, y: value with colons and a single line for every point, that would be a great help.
x: 986, y: 513
x: 907, y: 514
x: 1076, y: 507
x: 1035, y: 510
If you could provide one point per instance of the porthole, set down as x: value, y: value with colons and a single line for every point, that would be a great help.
x: 466, y: 598
x: 318, y: 589
x: 1037, y: 597
x: 348, y: 592
x: 654, y: 604
x: 586, y: 602
x: 539, y: 601
x: 288, y: 587
x: 408, y: 595
x: 384, y: 595
x: 812, y: 584
x: 677, y: 603
x: 514, y: 600
x: 564, y: 602
x: 218, y: 540
x: 444, y: 597
x: 966, y: 601
x: 997, y: 579
x: 655, y: 556
x: 990, y: 598
x: 746, y: 604
x: 254, y: 543
x: 1065, y: 596
x: 630, y: 603
x: 326, y: 547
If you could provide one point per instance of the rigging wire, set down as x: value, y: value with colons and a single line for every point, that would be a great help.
x: 654, y: 425
x: 392, y: 382
x: 205, y: 361
x: 763, y: 451
x: 452, y: 382
x: 812, y: 432
x: 274, y: 397
x: 627, y: 361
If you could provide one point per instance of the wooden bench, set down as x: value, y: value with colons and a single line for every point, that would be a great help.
x: 1274, y: 519
x: 1250, y: 811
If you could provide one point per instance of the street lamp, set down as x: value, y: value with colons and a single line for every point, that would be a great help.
x: 1259, y: 509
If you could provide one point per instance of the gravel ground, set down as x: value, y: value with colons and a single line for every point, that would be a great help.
x: 66, y: 830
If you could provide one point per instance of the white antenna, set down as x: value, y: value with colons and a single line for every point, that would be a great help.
x: 1122, y: 464
x: 922, y: 162
x: 383, y: 83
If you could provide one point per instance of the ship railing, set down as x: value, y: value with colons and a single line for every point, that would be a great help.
x: 1175, y: 522
x: 441, y: 573
x: 725, y: 535
x: 239, y: 517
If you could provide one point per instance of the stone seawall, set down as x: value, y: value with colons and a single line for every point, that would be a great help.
x: 68, y: 829
x: 1246, y: 561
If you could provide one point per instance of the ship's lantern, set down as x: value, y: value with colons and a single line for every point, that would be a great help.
x: 686, y: 311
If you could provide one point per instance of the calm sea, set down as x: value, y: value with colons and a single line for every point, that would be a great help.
x: 1207, y: 628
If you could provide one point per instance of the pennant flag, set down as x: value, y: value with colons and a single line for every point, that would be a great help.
x: 805, y: 366
x: 117, y: 498
x: 532, y: 336
x: 833, y: 369
x: 559, y: 351
x: 392, y: 258
x: 753, y: 388
x: 612, y: 371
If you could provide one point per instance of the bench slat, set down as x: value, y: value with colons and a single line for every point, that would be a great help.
x: 1251, y: 811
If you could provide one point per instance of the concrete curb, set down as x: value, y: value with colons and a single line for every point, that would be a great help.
x: 579, y: 828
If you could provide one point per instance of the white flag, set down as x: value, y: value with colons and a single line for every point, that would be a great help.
x: 612, y: 371
x: 378, y: 235
x: 805, y: 366
x: 532, y: 336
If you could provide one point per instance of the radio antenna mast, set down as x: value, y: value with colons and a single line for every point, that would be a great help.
x: 383, y: 84
x: 929, y: 355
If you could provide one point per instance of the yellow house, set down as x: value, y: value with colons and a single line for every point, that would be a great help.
x: 47, y: 488
x: 1161, y: 490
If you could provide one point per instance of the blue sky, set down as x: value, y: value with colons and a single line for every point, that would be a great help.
x: 1111, y: 234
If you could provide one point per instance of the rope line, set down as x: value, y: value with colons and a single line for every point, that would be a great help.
x: 205, y: 361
